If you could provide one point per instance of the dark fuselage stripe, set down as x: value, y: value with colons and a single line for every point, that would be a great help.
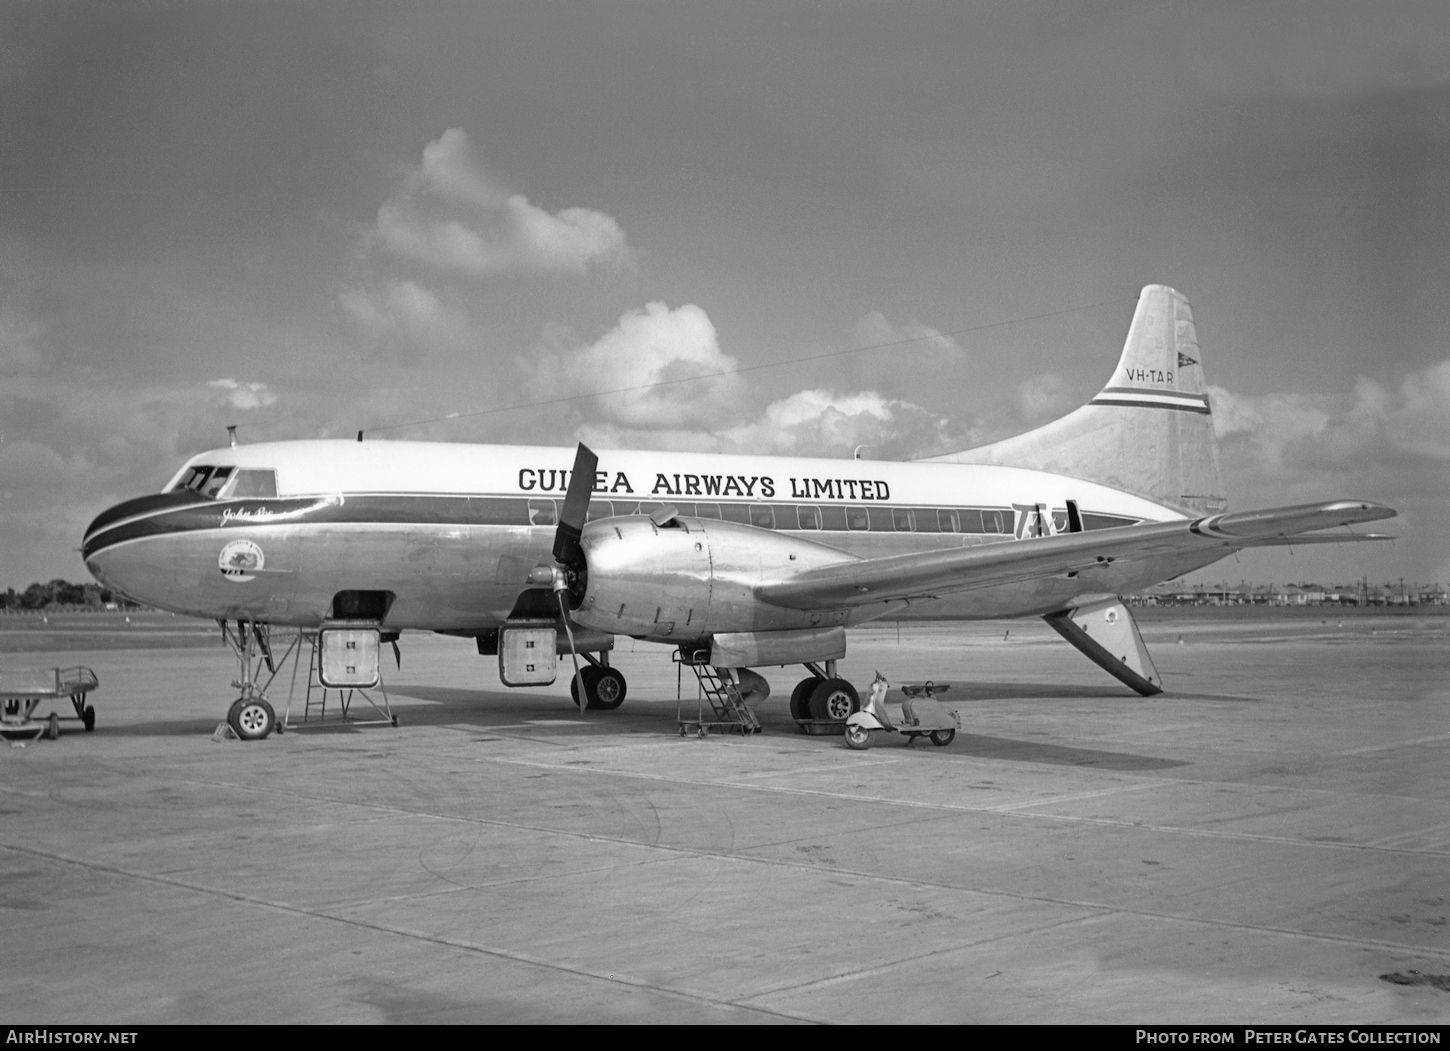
x: 468, y: 511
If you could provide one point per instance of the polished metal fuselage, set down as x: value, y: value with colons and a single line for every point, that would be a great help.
x: 454, y: 562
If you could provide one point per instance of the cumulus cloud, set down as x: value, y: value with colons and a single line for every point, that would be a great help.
x: 1371, y: 426
x: 827, y: 423
x: 655, y: 345
x: 909, y: 350
x: 693, y: 400
x: 1420, y: 421
x: 404, y: 312
x: 241, y: 395
x: 807, y: 423
x: 1042, y: 398
x: 445, y: 212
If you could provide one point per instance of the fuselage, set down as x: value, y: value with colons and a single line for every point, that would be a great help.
x: 275, y: 531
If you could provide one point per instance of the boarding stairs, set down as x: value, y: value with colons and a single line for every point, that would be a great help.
x: 318, y: 694
x: 719, y: 706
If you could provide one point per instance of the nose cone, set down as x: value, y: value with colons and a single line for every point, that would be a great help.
x: 115, y: 550
x: 125, y: 520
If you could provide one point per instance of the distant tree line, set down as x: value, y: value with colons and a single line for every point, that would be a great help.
x: 58, y: 592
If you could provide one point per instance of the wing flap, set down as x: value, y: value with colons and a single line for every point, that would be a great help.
x: 931, y: 573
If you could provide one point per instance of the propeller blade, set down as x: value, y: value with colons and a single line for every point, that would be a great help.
x: 576, y: 507
x: 574, y: 654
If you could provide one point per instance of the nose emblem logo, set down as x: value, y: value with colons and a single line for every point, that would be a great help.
x: 240, y: 560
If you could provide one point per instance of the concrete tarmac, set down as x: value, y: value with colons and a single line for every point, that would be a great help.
x: 1260, y: 844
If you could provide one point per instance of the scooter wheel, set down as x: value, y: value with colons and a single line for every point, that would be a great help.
x: 858, y: 738
x: 942, y: 738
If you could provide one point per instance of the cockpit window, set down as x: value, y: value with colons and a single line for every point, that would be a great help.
x: 194, y: 478
x: 213, y: 485
x: 228, y: 482
x: 251, y: 482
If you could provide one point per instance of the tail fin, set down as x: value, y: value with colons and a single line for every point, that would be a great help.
x: 1149, y: 431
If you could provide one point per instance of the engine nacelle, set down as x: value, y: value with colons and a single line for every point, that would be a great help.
x: 693, y: 577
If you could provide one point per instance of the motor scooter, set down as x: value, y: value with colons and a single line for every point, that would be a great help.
x: 919, y: 714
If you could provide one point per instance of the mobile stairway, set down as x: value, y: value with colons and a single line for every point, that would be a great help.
x: 719, y: 704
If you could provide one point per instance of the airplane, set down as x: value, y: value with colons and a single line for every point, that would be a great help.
x: 740, y: 562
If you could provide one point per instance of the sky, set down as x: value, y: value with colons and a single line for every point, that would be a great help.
x: 310, y: 219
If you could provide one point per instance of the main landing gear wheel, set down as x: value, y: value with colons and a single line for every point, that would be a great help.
x: 604, y: 687
x: 834, y: 699
x: 858, y: 737
x: 800, y: 699
x: 942, y: 738
x: 251, y: 720
x: 88, y: 718
x: 52, y: 727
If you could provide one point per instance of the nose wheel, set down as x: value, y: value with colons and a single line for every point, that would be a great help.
x: 251, y: 719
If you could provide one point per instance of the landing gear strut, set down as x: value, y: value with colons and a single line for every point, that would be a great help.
x: 250, y: 716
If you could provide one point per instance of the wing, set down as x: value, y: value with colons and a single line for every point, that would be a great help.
x: 933, y: 573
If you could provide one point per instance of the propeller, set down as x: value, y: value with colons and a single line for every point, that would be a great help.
x: 569, y: 554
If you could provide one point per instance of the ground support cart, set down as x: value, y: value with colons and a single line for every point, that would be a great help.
x: 23, y: 689
x: 919, y: 714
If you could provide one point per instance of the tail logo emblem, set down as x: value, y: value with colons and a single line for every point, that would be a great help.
x: 1184, y: 360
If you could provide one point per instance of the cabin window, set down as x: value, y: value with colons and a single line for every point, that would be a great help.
x: 881, y: 520
x: 833, y: 518
x: 926, y: 521
x: 598, y: 509
x: 735, y: 513
x: 542, y: 513
x: 786, y: 517
x: 856, y: 518
x: 948, y: 521
x: 762, y: 516
x: 707, y: 510
x: 1059, y: 521
x: 250, y: 483
x: 902, y: 520
x: 810, y: 517
x: 498, y: 510
x: 992, y: 522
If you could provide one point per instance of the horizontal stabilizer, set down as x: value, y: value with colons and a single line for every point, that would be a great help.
x: 1286, y: 521
x: 1319, y: 538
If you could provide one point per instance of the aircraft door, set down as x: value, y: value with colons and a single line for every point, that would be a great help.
x: 1033, y: 520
